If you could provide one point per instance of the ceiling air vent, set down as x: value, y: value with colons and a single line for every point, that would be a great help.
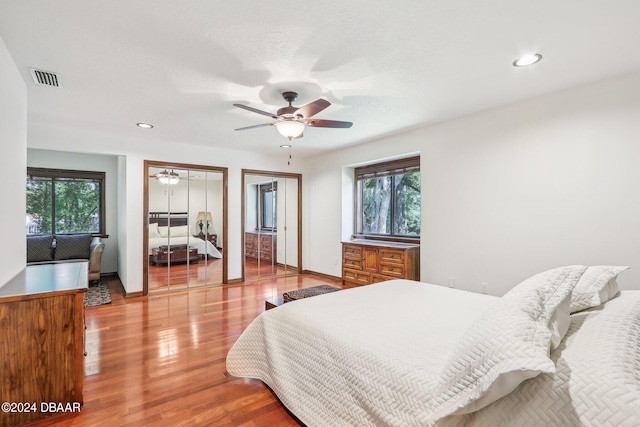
x: 45, y: 78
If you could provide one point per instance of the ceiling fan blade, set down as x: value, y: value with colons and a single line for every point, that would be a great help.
x: 319, y: 123
x: 256, y: 126
x: 255, y: 110
x: 313, y: 108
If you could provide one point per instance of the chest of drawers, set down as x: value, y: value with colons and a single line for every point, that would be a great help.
x: 367, y: 261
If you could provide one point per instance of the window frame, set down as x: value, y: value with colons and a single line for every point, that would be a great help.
x: 377, y: 170
x: 69, y: 174
x: 269, y: 187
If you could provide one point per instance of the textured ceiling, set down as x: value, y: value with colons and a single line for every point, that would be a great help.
x: 386, y: 66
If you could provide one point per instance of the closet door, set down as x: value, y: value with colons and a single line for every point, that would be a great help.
x: 271, y: 225
x: 206, y: 214
x: 186, y: 216
x: 287, y: 227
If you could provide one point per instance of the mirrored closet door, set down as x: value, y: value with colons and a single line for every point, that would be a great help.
x: 185, y: 226
x: 271, y: 226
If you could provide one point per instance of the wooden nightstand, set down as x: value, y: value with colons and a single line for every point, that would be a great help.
x: 213, y: 238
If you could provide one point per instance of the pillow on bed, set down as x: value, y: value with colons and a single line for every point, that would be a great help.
x: 179, y: 231
x: 509, y: 344
x: 154, y: 233
x: 596, y: 286
x: 163, y: 231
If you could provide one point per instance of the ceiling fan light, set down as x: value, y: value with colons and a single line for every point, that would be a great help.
x: 168, y: 178
x: 290, y: 128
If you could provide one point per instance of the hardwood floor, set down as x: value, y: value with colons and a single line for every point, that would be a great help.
x: 160, y: 360
x: 179, y: 276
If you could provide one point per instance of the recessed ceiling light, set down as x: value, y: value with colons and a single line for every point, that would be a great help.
x: 144, y: 125
x: 527, y: 60
x: 285, y: 146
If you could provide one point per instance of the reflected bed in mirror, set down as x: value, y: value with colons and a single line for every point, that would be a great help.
x: 172, y: 229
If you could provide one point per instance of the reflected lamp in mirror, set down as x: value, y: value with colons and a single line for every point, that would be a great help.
x: 202, y: 218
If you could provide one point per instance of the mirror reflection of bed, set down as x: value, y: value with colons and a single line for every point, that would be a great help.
x: 185, y: 259
x: 184, y: 229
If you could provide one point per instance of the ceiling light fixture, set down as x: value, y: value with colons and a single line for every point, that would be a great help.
x: 285, y: 146
x: 144, y: 125
x: 168, y: 178
x: 290, y: 128
x: 526, y: 60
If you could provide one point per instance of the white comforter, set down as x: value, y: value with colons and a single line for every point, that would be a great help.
x: 371, y: 356
x: 336, y: 359
x: 203, y: 246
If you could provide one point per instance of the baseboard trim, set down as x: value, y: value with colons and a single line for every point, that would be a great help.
x: 234, y: 281
x: 133, y: 294
x: 326, y: 276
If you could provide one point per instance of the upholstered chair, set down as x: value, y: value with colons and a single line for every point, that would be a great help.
x: 95, y: 258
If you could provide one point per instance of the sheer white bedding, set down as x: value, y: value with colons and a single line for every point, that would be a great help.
x: 203, y: 246
x: 372, y: 356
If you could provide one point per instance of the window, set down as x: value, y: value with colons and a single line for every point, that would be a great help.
x: 388, y: 199
x: 268, y: 201
x: 64, y: 201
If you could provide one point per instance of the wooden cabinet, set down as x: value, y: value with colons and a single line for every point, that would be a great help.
x: 42, y: 339
x: 174, y: 254
x: 213, y: 238
x: 368, y: 261
x: 260, y: 245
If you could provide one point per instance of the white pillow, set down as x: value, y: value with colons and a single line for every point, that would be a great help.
x: 179, y: 231
x: 509, y: 344
x: 154, y: 233
x: 560, y: 322
x: 596, y: 286
x: 163, y: 231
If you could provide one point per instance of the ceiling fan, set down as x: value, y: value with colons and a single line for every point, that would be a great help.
x: 291, y: 121
x: 167, y: 178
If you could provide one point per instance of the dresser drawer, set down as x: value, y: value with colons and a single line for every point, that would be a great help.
x: 376, y: 278
x: 394, y: 270
x: 354, y: 264
x: 355, y: 277
x: 353, y: 252
x: 265, y: 246
x: 391, y: 256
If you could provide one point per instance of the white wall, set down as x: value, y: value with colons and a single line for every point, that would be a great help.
x: 13, y: 163
x: 507, y: 192
x: 96, y: 163
x: 133, y: 152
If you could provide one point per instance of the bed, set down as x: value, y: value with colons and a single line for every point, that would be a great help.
x: 560, y: 349
x: 166, y: 229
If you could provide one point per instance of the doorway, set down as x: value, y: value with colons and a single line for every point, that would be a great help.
x: 271, y: 226
x: 185, y: 226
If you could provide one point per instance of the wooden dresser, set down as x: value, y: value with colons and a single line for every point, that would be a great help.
x: 42, y: 340
x: 372, y: 261
x: 260, y: 245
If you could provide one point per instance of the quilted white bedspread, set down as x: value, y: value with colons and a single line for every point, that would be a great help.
x: 336, y: 359
x: 371, y: 356
x: 597, y: 379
